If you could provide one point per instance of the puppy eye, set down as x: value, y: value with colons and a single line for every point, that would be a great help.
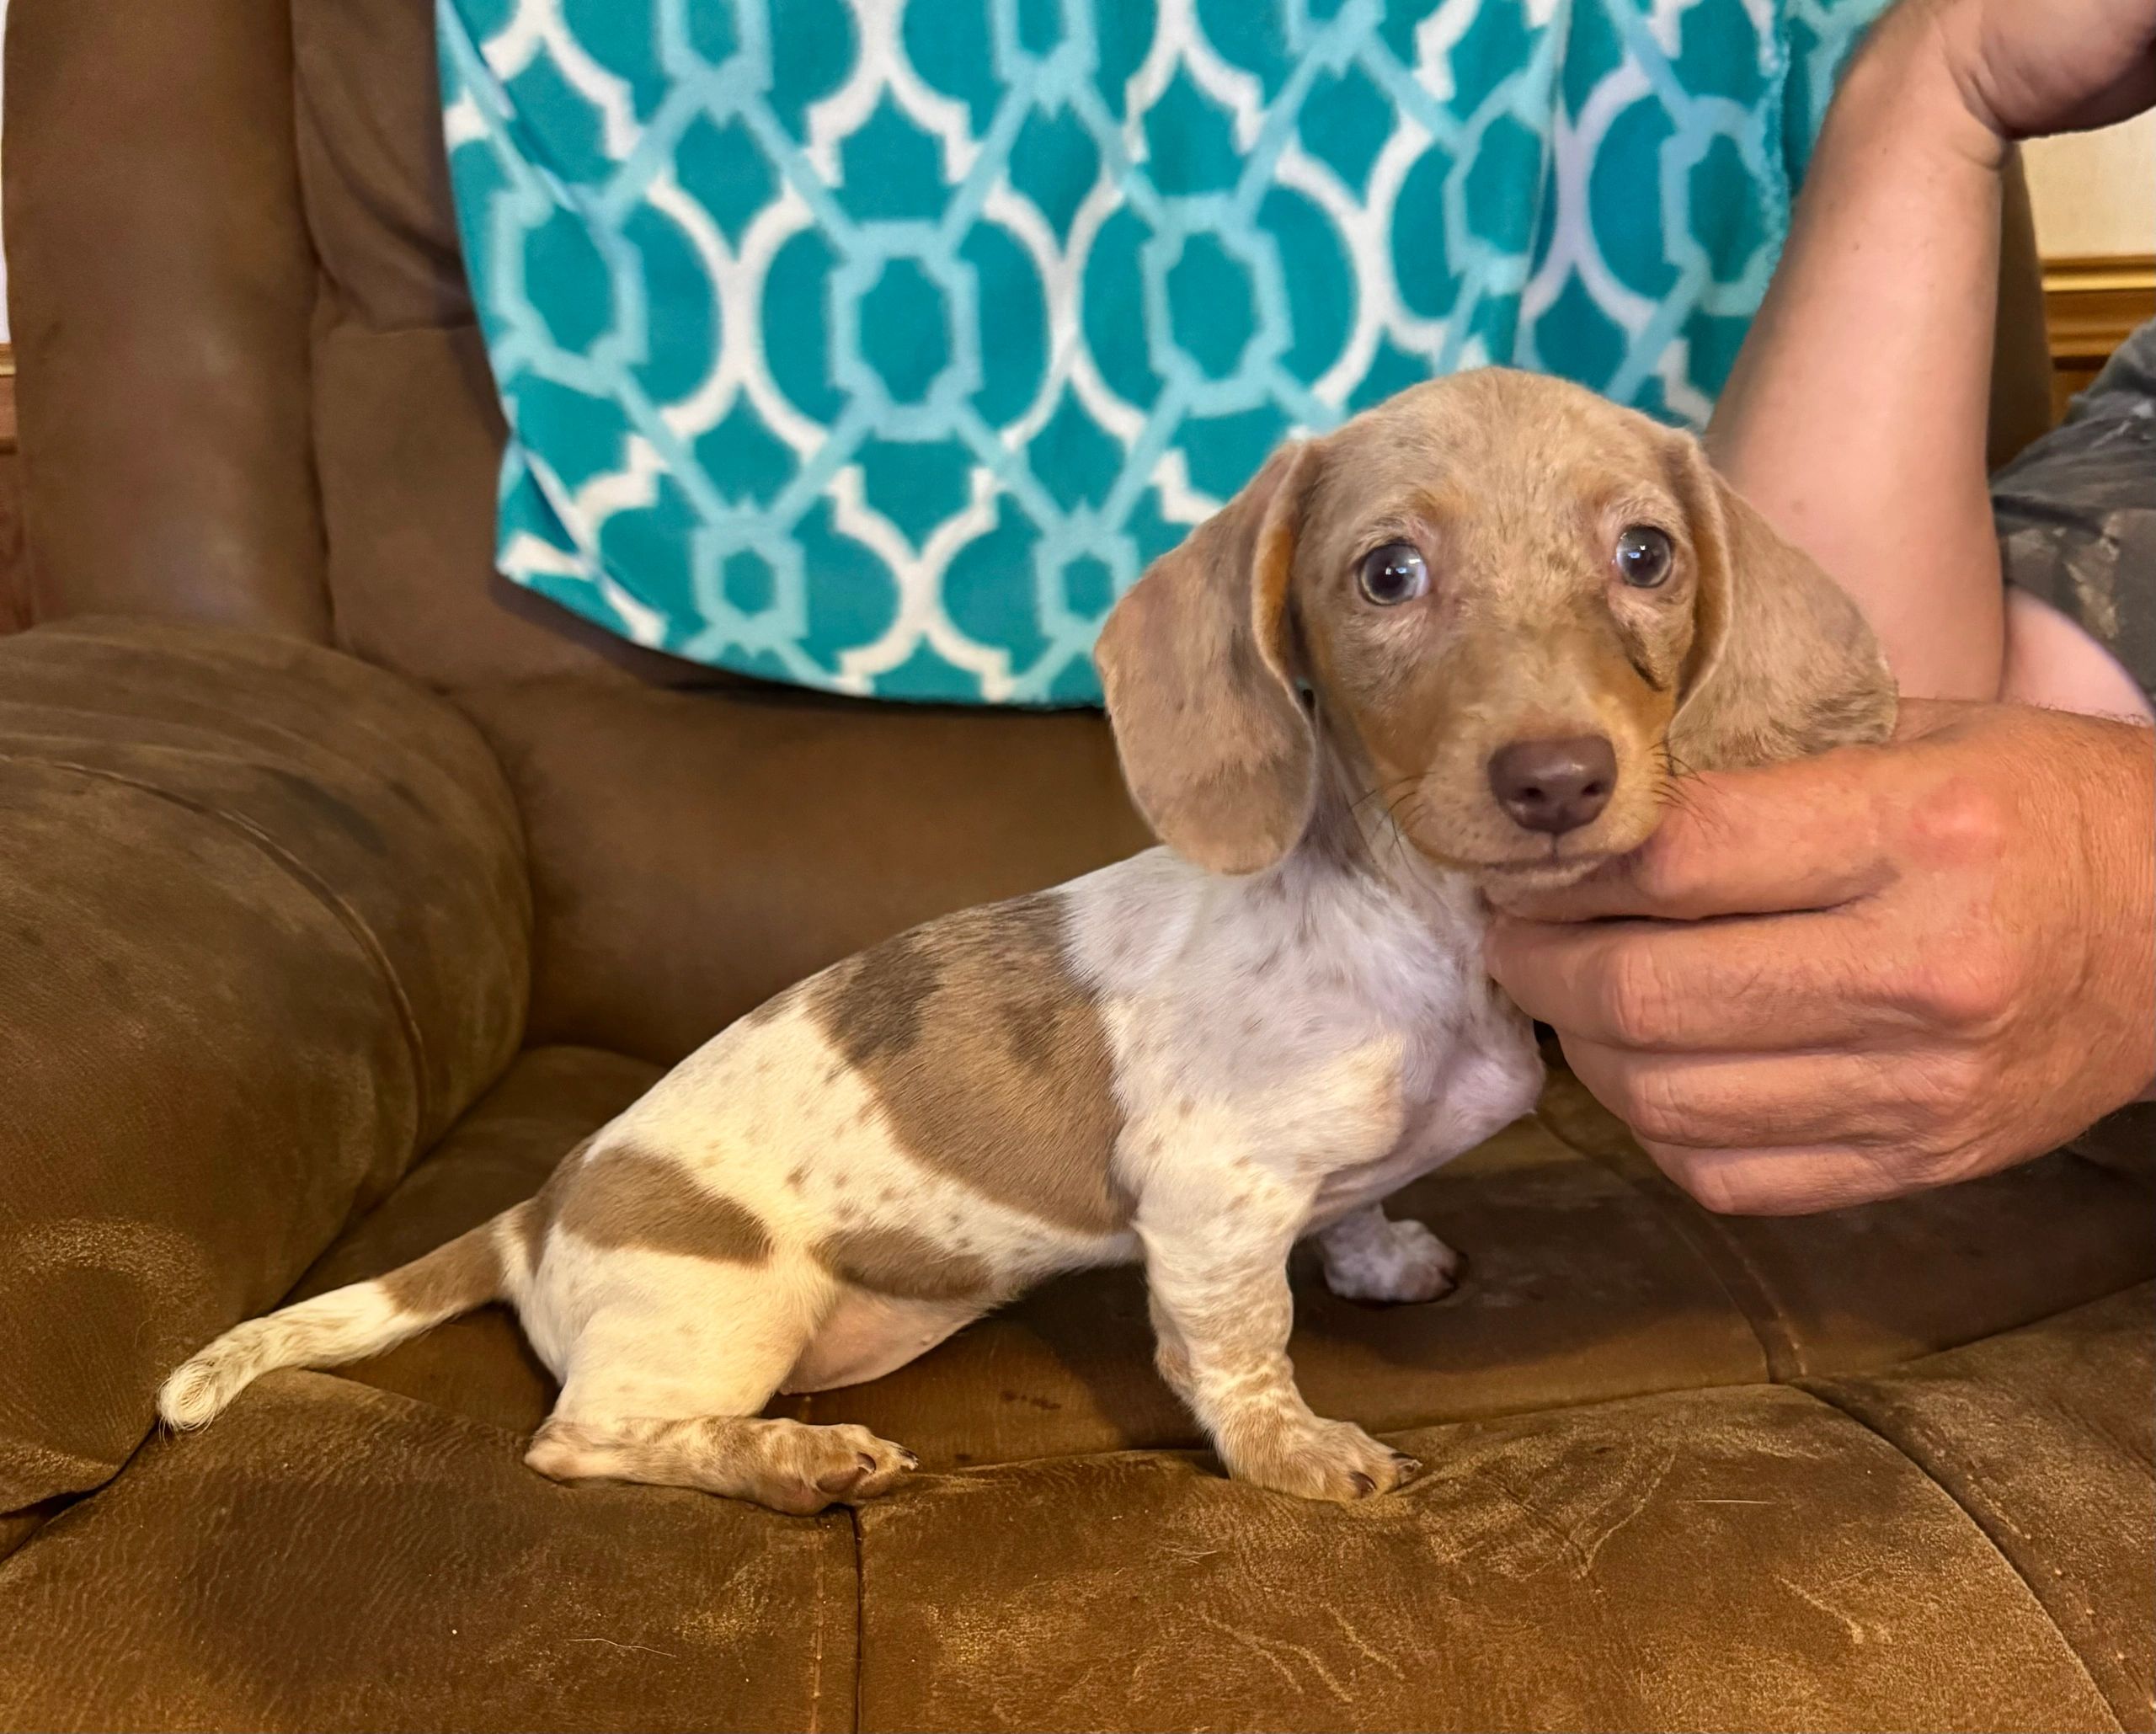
x: 1394, y: 573
x: 1644, y: 556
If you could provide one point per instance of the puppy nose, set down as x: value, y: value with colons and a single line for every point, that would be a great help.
x: 1555, y: 786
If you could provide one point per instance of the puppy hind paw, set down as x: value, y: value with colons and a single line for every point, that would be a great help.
x: 789, y: 1465
x: 826, y: 1465
x: 1403, y: 1264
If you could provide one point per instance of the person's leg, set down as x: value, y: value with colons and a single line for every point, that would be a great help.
x: 2051, y: 661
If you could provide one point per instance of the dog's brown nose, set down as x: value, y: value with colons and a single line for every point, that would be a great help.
x: 1555, y: 786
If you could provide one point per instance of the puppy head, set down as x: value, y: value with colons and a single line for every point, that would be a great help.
x: 1518, y: 608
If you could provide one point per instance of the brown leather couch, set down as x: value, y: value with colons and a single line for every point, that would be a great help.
x: 341, y: 891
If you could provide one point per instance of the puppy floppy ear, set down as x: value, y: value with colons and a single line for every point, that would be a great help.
x: 1198, y: 668
x: 1782, y: 662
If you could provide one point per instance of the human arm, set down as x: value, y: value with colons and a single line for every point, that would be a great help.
x: 1855, y: 417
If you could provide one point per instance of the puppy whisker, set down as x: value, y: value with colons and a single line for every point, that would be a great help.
x: 1376, y: 790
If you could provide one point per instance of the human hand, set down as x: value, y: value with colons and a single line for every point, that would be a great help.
x: 1860, y: 975
x: 2026, y: 68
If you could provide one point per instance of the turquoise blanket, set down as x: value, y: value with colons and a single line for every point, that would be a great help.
x: 877, y: 345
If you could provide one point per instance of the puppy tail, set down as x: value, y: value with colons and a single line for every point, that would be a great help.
x: 347, y: 1324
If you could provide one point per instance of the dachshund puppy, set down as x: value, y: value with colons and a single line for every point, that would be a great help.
x: 1471, y: 635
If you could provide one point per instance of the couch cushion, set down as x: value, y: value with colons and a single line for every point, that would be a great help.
x: 385, y: 804
x: 262, y: 936
x: 1747, y: 1556
x: 1741, y: 1559
x: 1882, y: 1284
x: 328, y: 1556
x: 202, y: 1069
x: 2046, y: 1438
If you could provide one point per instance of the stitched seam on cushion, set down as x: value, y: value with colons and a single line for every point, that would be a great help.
x: 816, y: 1652
x: 1770, y: 1322
x: 860, y: 1614
x: 312, y: 882
x: 39, y: 1518
x: 1723, y: 1259
x: 83, y: 632
x: 1980, y: 1526
x: 88, y: 632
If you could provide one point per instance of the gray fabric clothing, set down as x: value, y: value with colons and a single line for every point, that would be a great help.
x: 2077, y: 510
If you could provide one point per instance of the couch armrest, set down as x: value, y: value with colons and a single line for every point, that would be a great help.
x: 264, y: 933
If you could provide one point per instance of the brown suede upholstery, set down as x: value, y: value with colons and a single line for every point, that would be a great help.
x: 264, y: 936
x: 323, y: 941
x: 673, y: 897
x: 1747, y: 1558
x: 361, y: 1560
x: 159, y: 289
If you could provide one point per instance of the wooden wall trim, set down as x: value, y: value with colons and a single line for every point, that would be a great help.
x: 2092, y: 304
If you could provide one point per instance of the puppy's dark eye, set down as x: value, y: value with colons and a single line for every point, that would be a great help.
x: 1644, y: 556
x: 1394, y: 573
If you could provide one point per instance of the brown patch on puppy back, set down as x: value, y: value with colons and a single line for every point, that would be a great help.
x: 905, y: 1265
x: 535, y: 1214
x: 624, y: 1196
x: 988, y: 1058
x: 529, y: 1222
x: 759, y: 1015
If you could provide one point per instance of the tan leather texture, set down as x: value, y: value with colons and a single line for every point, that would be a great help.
x: 160, y: 287
x: 1953, y: 1541
x: 410, y: 438
x: 1747, y: 1558
x: 2023, y: 1432
x: 694, y: 853
x: 264, y: 936
x: 368, y: 114
x: 362, y: 1560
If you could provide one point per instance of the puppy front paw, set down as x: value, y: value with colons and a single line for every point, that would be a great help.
x: 1394, y: 1261
x: 1331, y: 1460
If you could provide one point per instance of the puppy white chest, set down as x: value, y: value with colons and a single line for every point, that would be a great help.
x: 1314, y: 1021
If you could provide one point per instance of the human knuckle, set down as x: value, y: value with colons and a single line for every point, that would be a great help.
x: 1976, y: 1151
x: 1713, y: 1191
x: 1956, y: 822
x: 1968, y: 990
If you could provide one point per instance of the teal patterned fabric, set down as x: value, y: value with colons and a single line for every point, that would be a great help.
x: 877, y: 345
